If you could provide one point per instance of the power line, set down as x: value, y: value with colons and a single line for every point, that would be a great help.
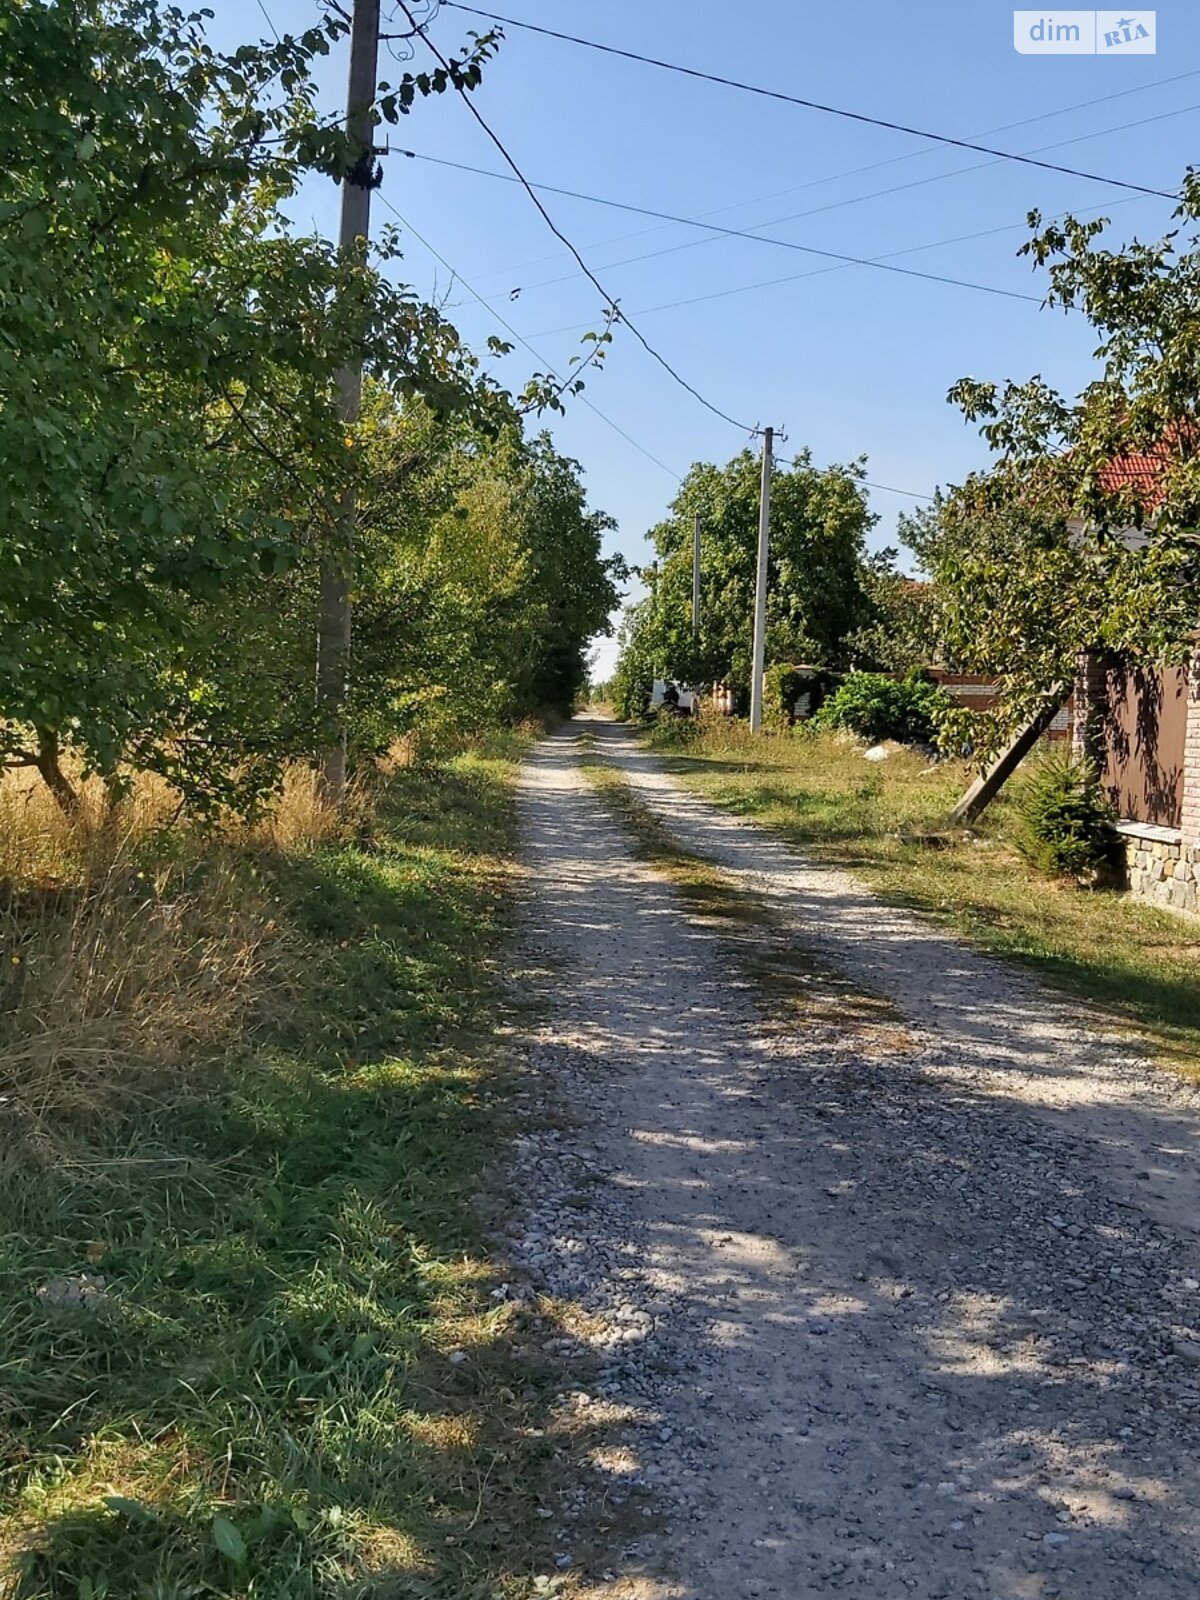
x: 270, y: 22
x: 561, y: 236
x: 716, y: 228
x: 819, y: 272
x: 520, y: 338
x: 891, y: 161
x: 808, y: 105
x: 876, y: 194
x: 884, y: 488
x: 504, y: 323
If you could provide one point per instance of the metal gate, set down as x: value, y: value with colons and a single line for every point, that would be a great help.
x: 1145, y: 730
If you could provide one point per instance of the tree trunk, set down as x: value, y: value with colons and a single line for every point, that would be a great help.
x: 48, y: 764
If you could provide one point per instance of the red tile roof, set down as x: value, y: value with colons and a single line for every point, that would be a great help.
x: 1137, y: 472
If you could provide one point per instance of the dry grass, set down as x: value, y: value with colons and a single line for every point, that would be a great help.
x: 127, y: 978
x: 300, y: 818
x: 132, y: 946
x: 138, y: 948
x: 41, y: 847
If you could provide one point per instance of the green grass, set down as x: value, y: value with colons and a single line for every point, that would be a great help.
x: 263, y: 1404
x: 888, y: 821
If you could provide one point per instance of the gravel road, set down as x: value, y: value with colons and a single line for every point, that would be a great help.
x: 887, y: 1313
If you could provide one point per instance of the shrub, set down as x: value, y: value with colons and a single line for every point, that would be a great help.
x: 675, y: 733
x: 1066, y: 825
x: 782, y: 687
x: 632, y: 688
x: 878, y: 707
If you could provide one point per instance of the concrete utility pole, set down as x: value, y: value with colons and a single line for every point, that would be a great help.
x: 696, y: 580
x: 333, y: 630
x: 760, y: 586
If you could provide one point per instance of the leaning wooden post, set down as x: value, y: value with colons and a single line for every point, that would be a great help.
x: 985, y: 789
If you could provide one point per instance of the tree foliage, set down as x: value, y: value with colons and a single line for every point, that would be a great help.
x: 816, y: 594
x: 481, y: 579
x: 170, y: 452
x: 1031, y: 561
x: 904, y: 629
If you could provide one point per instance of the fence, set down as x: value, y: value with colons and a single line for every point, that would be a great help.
x: 1144, y: 730
x: 980, y: 694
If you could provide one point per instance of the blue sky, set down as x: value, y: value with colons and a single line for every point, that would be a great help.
x: 852, y: 361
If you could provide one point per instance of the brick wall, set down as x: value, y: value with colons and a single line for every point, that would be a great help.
x: 979, y: 693
x: 1189, y: 822
x: 1091, y: 691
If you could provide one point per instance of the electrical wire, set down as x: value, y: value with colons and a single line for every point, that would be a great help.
x: 875, y: 194
x: 808, y: 105
x: 609, y: 299
x: 716, y: 228
x: 820, y: 272
x: 270, y: 21
x: 889, y: 161
x: 884, y: 488
x: 504, y: 323
x: 521, y: 340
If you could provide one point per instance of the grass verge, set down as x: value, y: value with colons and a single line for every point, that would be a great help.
x: 249, y: 1346
x: 1138, y: 966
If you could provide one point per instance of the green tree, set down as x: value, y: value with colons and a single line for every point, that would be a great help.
x: 481, y: 580
x: 903, y: 632
x: 574, y: 587
x: 1030, y: 560
x: 816, y: 593
x: 168, y: 354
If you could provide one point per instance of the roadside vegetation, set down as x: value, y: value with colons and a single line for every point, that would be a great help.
x: 252, y: 1069
x: 888, y: 821
x: 250, y: 1089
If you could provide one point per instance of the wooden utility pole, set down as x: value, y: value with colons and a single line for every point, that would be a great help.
x: 760, y: 586
x: 333, y: 630
x: 696, y: 580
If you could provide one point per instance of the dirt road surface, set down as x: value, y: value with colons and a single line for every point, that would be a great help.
x: 886, y: 1310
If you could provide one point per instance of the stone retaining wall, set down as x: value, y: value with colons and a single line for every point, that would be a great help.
x: 1160, y: 868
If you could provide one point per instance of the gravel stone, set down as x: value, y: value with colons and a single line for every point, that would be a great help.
x: 869, y: 1317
